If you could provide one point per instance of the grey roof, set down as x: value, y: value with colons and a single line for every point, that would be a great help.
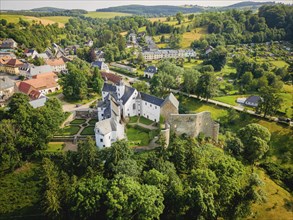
x: 97, y: 64
x: 151, y: 69
x: 35, y: 70
x: 108, y: 88
x: 172, y: 99
x: 253, y: 99
x: 6, y: 82
x: 42, y: 55
x: 127, y: 93
x: 151, y: 99
x: 38, y: 102
x: 106, y: 126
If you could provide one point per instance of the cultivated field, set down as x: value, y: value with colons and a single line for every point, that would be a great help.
x: 61, y: 20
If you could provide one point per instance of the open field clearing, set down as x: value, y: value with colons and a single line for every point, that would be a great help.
x: 99, y: 14
x: 61, y: 20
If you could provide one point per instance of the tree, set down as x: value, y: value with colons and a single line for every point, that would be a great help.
x: 175, y: 41
x: 190, y: 17
x: 140, y: 59
x: 255, y: 139
x: 128, y: 167
x: 51, y: 195
x: 218, y: 58
x: 179, y: 16
x: 87, y: 197
x: 206, y: 86
x: 270, y: 101
x: 190, y: 78
x: 141, y: 86
x: 96, y: 81
x: 126, y: 199
x: 74, y: 83
x: 162, y: 39
x: 39, y: 61
x: 9, y: 155
x: 87, y: 154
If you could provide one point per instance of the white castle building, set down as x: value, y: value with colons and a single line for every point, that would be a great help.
x: 121, y: 101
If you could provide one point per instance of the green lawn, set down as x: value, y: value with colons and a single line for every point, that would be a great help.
x: 231, y: 100
x: 287, y: 104
x: 68, y: 130
x: 145, y: 121
x: 20, y: 193
x: 137, y: 137
x: 279, y: 63
x: 133, y: 119
x: 88, y: 130
x: 55, y: 146
x: 98, y: 14
x: 78, y: 121
x: 93, y: 121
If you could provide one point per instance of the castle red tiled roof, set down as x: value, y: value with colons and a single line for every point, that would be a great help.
x: 111, y: 77
x: 14, y: 63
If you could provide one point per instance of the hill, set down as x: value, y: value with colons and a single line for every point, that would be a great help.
x: 158, y: 10
x: 47, y: 9
x: 166, y: 10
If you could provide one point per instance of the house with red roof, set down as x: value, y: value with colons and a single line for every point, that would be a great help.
x: 10, y: 66
x: 58, y: 65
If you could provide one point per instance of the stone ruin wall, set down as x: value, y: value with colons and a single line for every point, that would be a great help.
x: 193, y: 124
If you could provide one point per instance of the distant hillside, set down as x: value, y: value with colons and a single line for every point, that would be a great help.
x: 157, y: 10
x: 47, y: 9
x: 165, y: 10
x: 249, y: 4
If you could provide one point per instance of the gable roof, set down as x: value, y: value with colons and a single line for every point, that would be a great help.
x: 108, y: 88
x: 127, y: 94
x: 151, y: 69
x: 151, y: 99
x: 6, y: 82
x: 98, y: 64
x: 111, y: 77
x: 35, y: 70
x: 55, y: 62
x: 172, y: 99
x: 38, y: 102
x: 14, y: 63
x: 253, y: 99
x: 106, y: 126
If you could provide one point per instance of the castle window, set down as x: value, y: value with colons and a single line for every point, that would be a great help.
x: 133, y: 106
x: 101, y: 140
x: 155, y: 107
x: 151, y: 105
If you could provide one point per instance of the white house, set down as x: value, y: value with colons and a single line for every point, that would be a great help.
x: 150, y: 71
x: 58, y: 65
x: 121, y: 101
x: 101, y: 65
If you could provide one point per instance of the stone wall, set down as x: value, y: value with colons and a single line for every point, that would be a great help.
x: 167, y: 109
x: 194, y: 124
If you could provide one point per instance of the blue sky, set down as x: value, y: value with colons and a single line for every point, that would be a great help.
x: 94, y: 4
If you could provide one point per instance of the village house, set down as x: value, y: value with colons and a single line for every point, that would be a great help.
x: 39, y: 85
x: 6, y: 89
x: 8, y: 44
x: 166, y: 54
x: 89, y: 43
x: 30, y: 53
x: 98, y: 55
x: 150, y: 71
x: 208, y: 50
x: 111, y: 77
x: 7, y: 54
x: 58, y: 64
x: 252, y: 101
x: 42, y: 56
x: 11, y: 66
x: 101, y: 65
x: 29, y: 70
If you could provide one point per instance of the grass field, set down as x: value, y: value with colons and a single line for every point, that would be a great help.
x: 68, y: 130
x: 145, y: 121
x: 279, y: 63
x: 88, y: 130
x: 231, y: 100
x: 20, y: 193
x: 43, y: 20
x: 55, y: 146
x: 93, y: 121
x: 78, y: 121
x: 98, y: 14
x: 137, y: 137
x: 275, y: 207
x: 189, y: 37
x: 133, y: 119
